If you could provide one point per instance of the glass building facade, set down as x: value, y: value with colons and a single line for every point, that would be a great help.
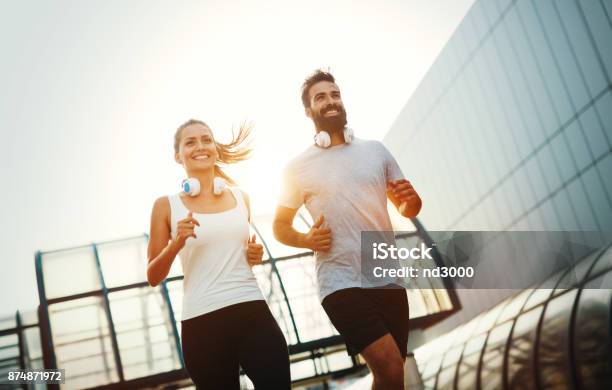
x: 511, y: 128
x: 539, y: 338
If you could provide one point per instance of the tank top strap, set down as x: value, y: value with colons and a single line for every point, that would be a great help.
x: 240, y: 199
x: 177, y: 210
x: 176, y: 205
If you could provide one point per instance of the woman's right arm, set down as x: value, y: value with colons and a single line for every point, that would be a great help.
x: 163, y: 248
x: 161, y: 251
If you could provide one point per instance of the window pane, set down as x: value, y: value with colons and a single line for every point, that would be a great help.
x: 300, y: 282
x: 599, y: 25
x: 58, y: 266
x: 594, y: 133
x: 579, y: 149
x: 562, y: 53
x: 82, y: 343
x: 598, y: 198
x: 604, y: 262
x: 592, y: 338
x: 491, y: 373
x: 581, y: 45
x: 553, y: 348
x: 514, y: 307
x: 124, y: 262
x: 144, y: 332
x: 469, y: 362
x: 520, y: 369
x: 544, y: 56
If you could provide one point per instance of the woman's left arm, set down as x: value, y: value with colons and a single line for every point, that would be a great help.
x: 254, y: 249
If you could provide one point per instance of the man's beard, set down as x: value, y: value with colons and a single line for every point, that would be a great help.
x: 334, y: 124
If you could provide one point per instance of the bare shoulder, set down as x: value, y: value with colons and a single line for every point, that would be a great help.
x: 161, y: 209
x: 161, y: 204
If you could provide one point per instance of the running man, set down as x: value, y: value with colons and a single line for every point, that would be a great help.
x: 345, y: 182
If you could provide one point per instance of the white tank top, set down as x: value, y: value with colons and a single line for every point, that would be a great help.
x: 214, y: 264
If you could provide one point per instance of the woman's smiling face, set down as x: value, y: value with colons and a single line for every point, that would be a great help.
x: 197, y: 148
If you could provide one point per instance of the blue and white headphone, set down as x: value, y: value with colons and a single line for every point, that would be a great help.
x: 191, y: 186
x: 323, y: 140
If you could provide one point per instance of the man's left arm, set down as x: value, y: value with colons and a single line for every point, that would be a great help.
x: 404, y: 197
x: 399, y: 190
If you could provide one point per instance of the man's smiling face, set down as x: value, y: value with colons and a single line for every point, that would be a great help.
x: 326, y: 107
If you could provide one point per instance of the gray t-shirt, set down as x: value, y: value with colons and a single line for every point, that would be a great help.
x: 347, y: 184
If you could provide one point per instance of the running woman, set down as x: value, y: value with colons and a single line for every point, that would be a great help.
x: 226, y: 323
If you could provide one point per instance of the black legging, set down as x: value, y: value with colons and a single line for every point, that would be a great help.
x: 246, y: 335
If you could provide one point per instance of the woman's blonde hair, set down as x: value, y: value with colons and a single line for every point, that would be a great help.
x: 238, y: 149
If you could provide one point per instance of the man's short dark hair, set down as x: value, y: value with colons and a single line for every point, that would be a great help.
x: 317, y: 76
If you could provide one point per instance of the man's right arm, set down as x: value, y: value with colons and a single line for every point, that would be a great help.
x: 283, y: 228
x: 317, y: 239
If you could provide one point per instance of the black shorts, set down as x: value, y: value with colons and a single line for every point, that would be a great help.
x: 362, y: 316
x: 246, y: 334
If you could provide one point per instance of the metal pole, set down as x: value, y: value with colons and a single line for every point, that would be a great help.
x: 109, y: 316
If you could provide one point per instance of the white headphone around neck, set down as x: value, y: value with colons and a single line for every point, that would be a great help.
x: 323, y: 140
x: 191, y: 186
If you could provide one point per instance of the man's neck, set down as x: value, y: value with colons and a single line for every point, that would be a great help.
x: 336, y: 137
